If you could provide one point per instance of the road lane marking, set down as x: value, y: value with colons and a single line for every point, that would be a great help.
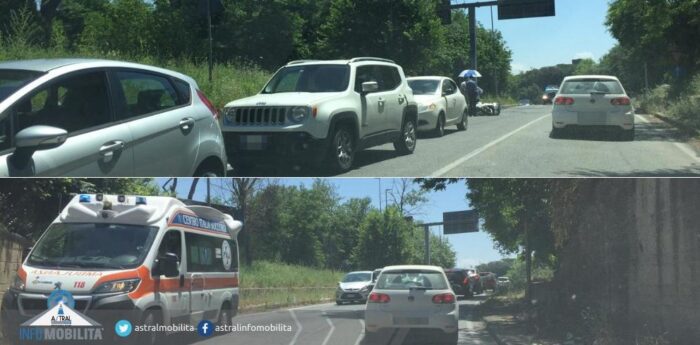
x: 476, y: 152
x: 296, y: 335
x: 328, y: 336
x: 312, y: 306
x: 683, y: 147
x: 362, y: 332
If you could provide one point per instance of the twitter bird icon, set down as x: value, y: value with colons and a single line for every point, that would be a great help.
x: 123, y: 328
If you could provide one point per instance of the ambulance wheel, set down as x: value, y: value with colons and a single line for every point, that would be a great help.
x: 225, y: 317
x: 152, y: 317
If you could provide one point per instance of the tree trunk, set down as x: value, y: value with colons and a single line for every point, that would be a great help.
x: 528, y: 261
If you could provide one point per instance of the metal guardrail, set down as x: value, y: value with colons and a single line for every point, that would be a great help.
x: 266, y: 298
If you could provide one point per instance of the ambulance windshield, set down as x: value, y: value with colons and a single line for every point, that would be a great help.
x: 93, y: 246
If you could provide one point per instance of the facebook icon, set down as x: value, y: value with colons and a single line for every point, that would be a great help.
x: 205, y: 328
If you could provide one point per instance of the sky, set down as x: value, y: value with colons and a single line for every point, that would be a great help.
x: 577, y: 31
x: 471, y: 248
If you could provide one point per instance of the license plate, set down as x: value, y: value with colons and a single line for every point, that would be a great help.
x: 253, y: 142
x: 353, y: 295
x: 592, y: 118
x: 410, y: 320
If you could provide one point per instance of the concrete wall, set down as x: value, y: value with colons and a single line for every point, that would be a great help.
x: 633, y: 253
x: 11, y: 247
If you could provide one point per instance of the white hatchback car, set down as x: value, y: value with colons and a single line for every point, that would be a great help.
x: 412, y: 297
x: 440, y: 104
x: 85, y: 117
x: 592, y: 101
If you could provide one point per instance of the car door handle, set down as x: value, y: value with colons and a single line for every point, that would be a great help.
x: 108, y: 148
x: 186, y: 123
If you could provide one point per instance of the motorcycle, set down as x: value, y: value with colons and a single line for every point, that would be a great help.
x: 490, y: 109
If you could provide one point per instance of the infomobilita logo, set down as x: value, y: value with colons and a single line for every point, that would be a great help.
x: 60, y: 322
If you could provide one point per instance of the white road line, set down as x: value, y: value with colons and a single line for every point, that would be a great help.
x: 683, y: 147
x: 296, y: 335
x: 328, y: 336
x: 476, y: 152
x: 362, y: 332
x: 311, y: 306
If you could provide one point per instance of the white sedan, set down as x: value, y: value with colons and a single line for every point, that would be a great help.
x: 440, y: 104
x: 412, y: 297
x: 592, y: 101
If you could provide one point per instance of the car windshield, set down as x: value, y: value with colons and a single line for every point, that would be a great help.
x: 92, y: 246
x: 588, y: 86
x: 309, y: 78
x: 357, y: 277
x: 424, y: 86
x: 12, y: 80
x: 412, y: 279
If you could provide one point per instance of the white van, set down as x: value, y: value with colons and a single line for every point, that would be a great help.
x: 148, y: 260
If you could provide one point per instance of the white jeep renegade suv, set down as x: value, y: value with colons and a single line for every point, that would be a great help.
x: 314, y: 111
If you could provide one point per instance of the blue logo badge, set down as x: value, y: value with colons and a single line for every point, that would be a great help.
x: 60, y: 296
x: 205, y: 328
x: 123, y: 328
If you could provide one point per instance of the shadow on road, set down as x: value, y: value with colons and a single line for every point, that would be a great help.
x: 660, y: 132
x: 685, y: 172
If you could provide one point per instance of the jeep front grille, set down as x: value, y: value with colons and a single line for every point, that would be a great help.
x: 256, y: 116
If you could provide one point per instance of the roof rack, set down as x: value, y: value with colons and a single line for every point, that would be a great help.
x: 359, y: 59
x: 296, y: 62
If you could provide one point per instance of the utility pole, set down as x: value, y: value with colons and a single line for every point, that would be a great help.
x: 472, y: 36
x: 211, y: 40
x: 426, y: 259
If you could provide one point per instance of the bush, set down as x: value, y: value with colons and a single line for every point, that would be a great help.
x: 686, y: 109
x: 654, y: 100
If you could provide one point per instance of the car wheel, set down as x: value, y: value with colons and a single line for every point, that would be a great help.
x: 371, y: 337
x: 406, y: 143
x: 556, y: 133
x: 462, y: 125
x: 151, y: 319
x: 451, y: 338
x: 628, y: 135
x: 342, y: 151
x: 338, y: 302
x: 440, y: 126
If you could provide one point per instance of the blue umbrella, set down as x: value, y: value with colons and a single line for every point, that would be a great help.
x: 468, y: 73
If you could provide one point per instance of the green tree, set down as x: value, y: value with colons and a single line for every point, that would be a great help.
x: 384, y: 240
x: 407, y: 31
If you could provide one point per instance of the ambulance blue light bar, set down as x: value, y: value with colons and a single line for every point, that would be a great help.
x: 140, y: 200
x: 84, y: 198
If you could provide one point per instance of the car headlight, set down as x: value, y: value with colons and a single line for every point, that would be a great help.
x: 364, y: 288
x: 230, y: 115
x: 126, y: 285
x: 426, y: 107
x: 18, y: 283
x: 299, y: 114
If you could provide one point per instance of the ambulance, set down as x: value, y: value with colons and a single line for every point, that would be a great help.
x: 152, y: 261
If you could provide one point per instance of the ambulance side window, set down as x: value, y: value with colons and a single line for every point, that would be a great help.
x: 172, y: 243
x: 210, y: 254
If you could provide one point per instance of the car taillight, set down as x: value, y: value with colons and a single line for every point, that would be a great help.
x: 620, y: 101
x: 207, y: 102
x: 375, y: 297
x: 445, y: 298
x: 563, y: 100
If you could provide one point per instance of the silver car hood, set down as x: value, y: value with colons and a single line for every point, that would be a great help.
x: 354, y: 286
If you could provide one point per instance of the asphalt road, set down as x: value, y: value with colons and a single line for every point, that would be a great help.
x: 324, y: 324
x: 517, y: 144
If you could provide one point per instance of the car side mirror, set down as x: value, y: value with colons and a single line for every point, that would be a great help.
x: 25, y: 253
x: 167, y: 265
x: 40, y: 137
x: 370, y: 86
x: 35, y: 138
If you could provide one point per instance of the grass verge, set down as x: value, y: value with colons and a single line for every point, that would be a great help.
x: 266, y: 285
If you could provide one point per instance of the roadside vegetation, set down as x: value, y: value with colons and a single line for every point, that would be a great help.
x: 267, y: 284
